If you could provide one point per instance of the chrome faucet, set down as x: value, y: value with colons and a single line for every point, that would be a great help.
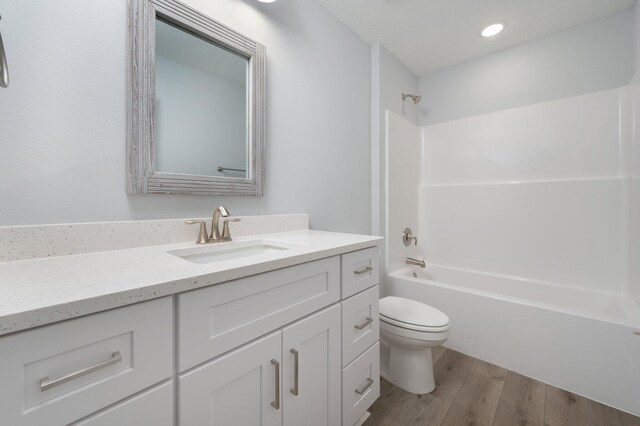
x: 215, y: 230
x: 214, y: 236
x: 416, y: 262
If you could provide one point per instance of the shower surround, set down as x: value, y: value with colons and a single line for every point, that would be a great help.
x: 529, y: 220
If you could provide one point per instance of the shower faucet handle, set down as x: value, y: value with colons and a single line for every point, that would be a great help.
x: 407, y: 237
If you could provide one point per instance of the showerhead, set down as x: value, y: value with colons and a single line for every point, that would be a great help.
x: 415, y: 98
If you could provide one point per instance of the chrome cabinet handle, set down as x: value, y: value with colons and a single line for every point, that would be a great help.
x: 364, y: 324
x: 46, y: 384
x: 363, y: 271
x: 294, y: 389
x: 276, y: 404
x: 365, y: 387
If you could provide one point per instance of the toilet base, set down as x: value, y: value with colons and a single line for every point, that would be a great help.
x: 411, y: 369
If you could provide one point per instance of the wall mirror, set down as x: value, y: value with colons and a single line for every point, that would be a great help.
x: 196, y: 104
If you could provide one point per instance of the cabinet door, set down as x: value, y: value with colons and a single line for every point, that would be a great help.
x: 240, y: 388
x: 311, y: 347
x: 150, y: 408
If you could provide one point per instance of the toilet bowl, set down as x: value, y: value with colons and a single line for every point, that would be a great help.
x: 410, y: 330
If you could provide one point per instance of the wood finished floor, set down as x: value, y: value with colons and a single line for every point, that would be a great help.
x: 473, y: 392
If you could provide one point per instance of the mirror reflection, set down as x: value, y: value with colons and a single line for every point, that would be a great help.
x: 201, y: 106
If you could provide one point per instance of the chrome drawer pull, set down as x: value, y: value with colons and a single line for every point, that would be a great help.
x: 364, y: 324
x: 45, y: 384
x: 363, y: 271
x: 365, y: 387
x: 294, y: 389
x: 276, y: 404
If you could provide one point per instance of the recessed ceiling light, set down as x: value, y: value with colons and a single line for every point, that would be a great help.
x: 493, y: 29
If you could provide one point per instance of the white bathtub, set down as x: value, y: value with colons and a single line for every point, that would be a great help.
x: 579, y: 340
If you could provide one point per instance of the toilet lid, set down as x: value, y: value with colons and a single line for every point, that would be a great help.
x: 409, y: 312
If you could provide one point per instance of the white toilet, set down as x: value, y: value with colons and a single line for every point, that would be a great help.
x: 410, y: 330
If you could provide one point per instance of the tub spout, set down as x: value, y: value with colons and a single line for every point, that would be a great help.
x: 416, y: 262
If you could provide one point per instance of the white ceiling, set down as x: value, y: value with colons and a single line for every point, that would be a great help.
x: 428, y: 35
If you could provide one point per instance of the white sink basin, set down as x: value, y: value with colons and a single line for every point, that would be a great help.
x: 219, y: 252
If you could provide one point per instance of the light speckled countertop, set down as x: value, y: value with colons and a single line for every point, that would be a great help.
x: 42, y: 291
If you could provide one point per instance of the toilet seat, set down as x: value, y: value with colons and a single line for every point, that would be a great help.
x: 412, y: 327
x: 412, y: 315
x: 425, y: 336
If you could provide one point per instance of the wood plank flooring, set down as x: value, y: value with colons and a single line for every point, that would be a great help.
x: 472, y: 392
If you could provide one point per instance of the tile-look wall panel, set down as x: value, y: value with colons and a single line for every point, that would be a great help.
x: 403, y: 160
x: 634, y: 198
x: 570, y: 138
x: 634, y: 235
x: 537, y: 192
x: 560, y: 232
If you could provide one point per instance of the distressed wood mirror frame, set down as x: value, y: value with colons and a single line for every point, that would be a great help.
x: 142, y: 177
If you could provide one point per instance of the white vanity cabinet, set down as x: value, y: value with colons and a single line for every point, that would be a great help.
x: 360, y: 386
x: 296, y: 346
x: 311, y: 373
x: 216, y: 319
x: 360, y: 334
x: 360, y: 323
x: 153, y: 407
x: 63, y: 372
x: 319, y: 369
x: 239, y: 388
x: 360, y: 270
x: 291, y: 377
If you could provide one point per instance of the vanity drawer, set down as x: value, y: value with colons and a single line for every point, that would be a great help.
x: 216, y: 319
x: 360, y: 385
x: 360, y: 323
x: 360, y: 270
x: 63, y: 372
x: 150, y: 408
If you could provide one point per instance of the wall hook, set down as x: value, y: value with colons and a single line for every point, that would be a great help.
x: 4, y: 68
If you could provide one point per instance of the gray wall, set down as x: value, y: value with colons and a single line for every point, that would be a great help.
x: 636, y: 43
x: 583, y: 59
x: 62, y: 121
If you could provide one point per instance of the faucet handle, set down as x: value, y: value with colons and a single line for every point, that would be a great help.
x: 407, y: 237
x: 226, y: 234
x: 202, y: 233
